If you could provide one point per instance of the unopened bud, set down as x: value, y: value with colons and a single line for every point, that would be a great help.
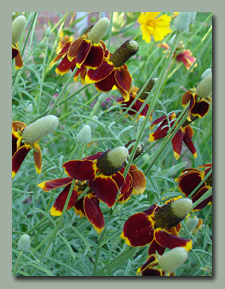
x: 24, y: 242
x: 192, y: 16
x: 93, y: 124
x: 173, y: 259
x: 192, y: 224
x: 40, y: 128
x: 48, y: 32
x: 98, y: 31
x: 29, y: 108
x: 18, y: 26
x: 204, y: 88
x: 206, y: 73
x: 182, y: 21
x: 84, y: 135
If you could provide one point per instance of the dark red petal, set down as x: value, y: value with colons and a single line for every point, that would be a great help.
x: 198, y: 195
x: 150, y: 210
x: 95, y: 57
x: 58, y: 206
x: 65, y: 65
x: 188, y: 141
x: 83, y: 52
x: 54, y: 184
x: 189, y: 181
x: 19, y: 157
x: 139, y: 180
x: 126, y: 189
x: 119, y: 179
x: 107, y: 83
x: 93, y: 157
x: 74, y: 48
x: 169, y: 241
x: 14, y: 142
x: 188, y: 96
x: 103, y: 71
x: 79, y: 207
x: 15, y: 51
x: 139, y: 103
x: 154, y: 246
x: 123, y: 79
x: 93, y: 212
x: 152, y: 272
x: 80, y: 169
x: 200, y: 108
x: 18, y: 61
x: 105, y: 189
x: 177, y: 141
x: 37, y: 157
x: 138, y: 230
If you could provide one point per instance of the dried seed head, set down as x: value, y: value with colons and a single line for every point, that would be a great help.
x: 111, y: 161
x: 18, y: 26
x: 124, y: 52
x: 204, y: 88
x: 40, y: 128
x: 84, y: 135
x: 24, y: 242
x: 148, y: 88
x: 139, y: 149
x: 173, y: 259
x: 182, y: 21
x: 99, y: 29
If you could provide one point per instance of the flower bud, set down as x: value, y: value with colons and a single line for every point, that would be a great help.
x: 182, y: 21
x: 124, y: 52
x: 40, y: 128
x: 181, y: 207
x: 48, y: 32
x: 173, y: 259
x: 29, y: 108
x: 204, y: 88
x: 24, y: 242
x: 206, y: 73
x: 93, y: 124
x: 111, y: 161
x: 98, y: 31
x: 191, y: 224
x: 84, y: 135
x: 192, y: 16
x: 18, y: 26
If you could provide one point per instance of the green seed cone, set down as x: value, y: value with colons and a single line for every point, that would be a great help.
x: 40, y: 128
x: 173, y: 259
x: 18, y: 26
x: 98, y: 31
x: 204, y: 89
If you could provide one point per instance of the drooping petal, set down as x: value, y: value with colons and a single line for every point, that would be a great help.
x: 169, y: 241
x: 147, y: 270
x: 138, y: 230
x: 200, y: 108
x: 75, y: 47
x: 198, y: 195
x: 177, y: 141
x: 154, y: 246
x: 60, y: 201
x: 123, y: 82
x: 187, y: 139
x: 93, y: 212
x: 63, y: 51
x: 107, y: 83
x: 103, y: 71
x: 19, y: 157
x: 139, y: 180
x: 37, y: 157
x: 150, y: 210
x: 65, y: 65
x: 94, y: 58
x: 83, y: 52
x: 189, y: 181
x: 81, y: 169
x: 105, y: 188
x: 126, y: 189
x: 17, y: 56
x: 79, y: 208
x: 54, y: 184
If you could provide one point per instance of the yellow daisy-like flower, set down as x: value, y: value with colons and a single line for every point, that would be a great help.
x: 151, y: 26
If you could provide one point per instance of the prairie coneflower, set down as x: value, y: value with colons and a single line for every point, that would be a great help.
x: 24, y: 138
x: 18, y: 26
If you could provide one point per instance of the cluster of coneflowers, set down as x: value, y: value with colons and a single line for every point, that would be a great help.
x: 100, y: 177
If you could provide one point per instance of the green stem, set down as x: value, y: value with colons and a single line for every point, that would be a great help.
x: 200, y: 184
x: 17, y: 262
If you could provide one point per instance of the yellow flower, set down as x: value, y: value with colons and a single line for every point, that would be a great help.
x: 152, y: 26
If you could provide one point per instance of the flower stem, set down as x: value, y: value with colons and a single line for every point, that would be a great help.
x: 17, y: 262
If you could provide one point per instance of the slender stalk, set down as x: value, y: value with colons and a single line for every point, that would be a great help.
x: 17, y: 262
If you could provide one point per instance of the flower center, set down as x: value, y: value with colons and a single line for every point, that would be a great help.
x: 152, y: 24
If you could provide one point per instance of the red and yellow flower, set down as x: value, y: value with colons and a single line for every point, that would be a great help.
x: 86, y: 52
x: 184, y: 134
x: 113, y: 72
x: 24, y: 138
x: 99, y: 186
x: 158, y: 226
x: 190, y: 179
x: 181, y: 54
